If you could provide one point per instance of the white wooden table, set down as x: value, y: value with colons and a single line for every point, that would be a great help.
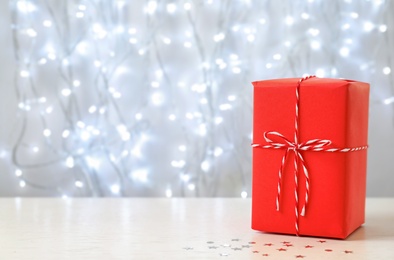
x: 37, y: 228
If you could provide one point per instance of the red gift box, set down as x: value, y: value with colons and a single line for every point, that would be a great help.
x: 315, y: 185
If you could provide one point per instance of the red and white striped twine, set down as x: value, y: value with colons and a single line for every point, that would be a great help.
x: 315, y: 145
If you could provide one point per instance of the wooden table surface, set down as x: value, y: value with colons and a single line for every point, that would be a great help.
x: 135, y: 228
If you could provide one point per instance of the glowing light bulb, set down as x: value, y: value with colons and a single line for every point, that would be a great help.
x: 320, y: 73
x: 386, y: 70
x: 133, y: 40
x: 315, y: 45
x: 388, y: 101
x: 151, y: 7
x: 231, y: 98
x: 92, y: 109
x: 157, y: 98
x: 277, y: 56
x: 218, y: 120
x: 47, y: 23
x: 168, y: 193
x: 244, y: 194
x: 172, y: 117
x: 368, y: 26
x: 115, y: 188
x: 66, y: 92
x: 187, y: 44
x: 187, y: 6
x: 138, y: 116
x: 82, y: 7
x: 22, y: 184
x: 31, y: 32
x: 25, y: 6
x: 251, y: 38
x: 289, y: 20
x: 18, y: 172
x: 218, y: 151
x: 345, y: 26
x: 236, y: 70
x: 70, y: 162
x: 182, y: 148
x: 305, y: 16
x: 313, y: 31
x: 78, y: 184
x: 224, y: 107
x: 35, y: 149
x: 382, y: 28
x: 191, y: 186
x: 97, y: 63
x: 140, y: 175
x: 167, y: 40
x: 219, y: 37
x: 49, y: 110
x: 51, y: 56
x: 93, y: 162
x: 66, y: 133
x: 79, y: 14
x: 354, y: 15
x: 344, y: 51
x: 47, y: 132
x: 268, y: 65
x: 24, y: 74
x: 205, y: 166
x: 42, y: 61
x: 171, y: 8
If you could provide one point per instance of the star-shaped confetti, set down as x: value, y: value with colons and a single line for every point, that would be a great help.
x: 255, y: 252
x: 252, y: 242
x: 265, y: 254
x: 210, y: 242
x: 300, y: 256
x: 235, y: 239
x: 236, y: 248
x: 212, y: 247
x: 226, y: 245
x: 281, y: 249
x: 246, y: 246
x: 188, y: 248
x: 224, y: 254
x: 288, y: 245
x: 328, y: 250
x: 321, y: 241
x: 286, y: 242
x: 268, y: 244
x: 348, y: 252
x: 308, y: 246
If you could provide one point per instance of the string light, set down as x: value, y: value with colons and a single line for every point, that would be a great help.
x: 117, y: 102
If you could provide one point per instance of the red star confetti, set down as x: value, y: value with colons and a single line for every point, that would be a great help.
x: 288, y: 245
x: 348, y: 251
x: 255, y: 252
x: 268, y: 244
x: 281, y: 249
x: 252, y: 242
x: 300, y: 256
x: 265, y: 254
x: 328, y: 250
x: 308, y: 246
x: 321, y: 241
x: 285, y: 242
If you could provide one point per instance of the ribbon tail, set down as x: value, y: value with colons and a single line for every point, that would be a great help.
x: 281, y: 169
x: 306, y: 173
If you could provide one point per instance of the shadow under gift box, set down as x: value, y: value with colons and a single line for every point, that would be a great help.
x: 333, y: 109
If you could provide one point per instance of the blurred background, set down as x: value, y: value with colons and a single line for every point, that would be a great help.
x: 153, y: 98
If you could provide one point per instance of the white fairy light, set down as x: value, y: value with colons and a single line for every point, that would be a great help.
x: 166, y: 40
x: 368, y: 26
x: 386, y: 70
x: 251, y: 38
x: 93, y: 162
x: 289, y: 20
x: 354, y: 15
x: 218, y: 120
x: 171, y: 8
x: 187, y: 44
x: 268, y: 65
x: 345, y: 26
x: 138, y: 116
x: 115, y: 188
x: 313, y: 31
x: 35, y: 149
x: 49, y: 110
x: 191, y: 186
x: 205, y: 166
x: 236, y: 70
x: 305, y: 16
x: 187, y: 6
x: 78, y: 184
x: 218, y: 151
x: 315, y: 45
x: 25, y: 6
x: 219, y: 37
x: 47, y: 23
x: 140, y: 175
x: 182, y: 148
x: 24, y: 73
x: 82, y: 7
x: 382, y: 28
x: 70, y: 162
x: 31, y: 32
x: 157, y: 98
x: 344, y: 51
x: 92, y: 109
x: 42, y: 61
x: 388, y: 101
x: 277, y: 56
x: 18, y: 172
x: 172, y: 117
x: 168, y: 193
x: 151, y: 7
x: 66, y: 133
x: 66, y: 92
x: 244, y: 194
x: 47, y: 132
x: 22, y: 183
x: 133, y: 40
x: 225, y: 107
x: 320, y: 73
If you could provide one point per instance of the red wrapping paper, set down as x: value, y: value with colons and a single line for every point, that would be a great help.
x: 334, y: 109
